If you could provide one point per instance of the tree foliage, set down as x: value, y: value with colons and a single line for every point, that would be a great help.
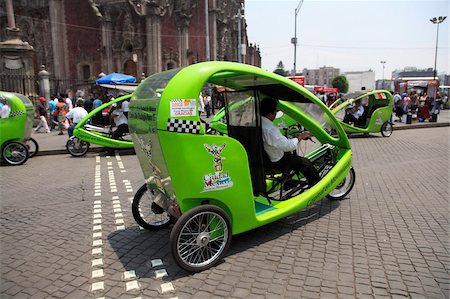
x: 340, y: 82
x: 280, y: 69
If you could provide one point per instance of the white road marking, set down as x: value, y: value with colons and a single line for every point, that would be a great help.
x: 97, y: 273
x: 132, y: 285
x: 97, y: 250
x: 98, y: 286
x: 127, y: 275
x: 157, y: 263
x: 97, y: 262
x: 167, y: 287
x: 160, y: 273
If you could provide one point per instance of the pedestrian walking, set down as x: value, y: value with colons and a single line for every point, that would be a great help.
x: 60, y: 114
x: 42, y: 113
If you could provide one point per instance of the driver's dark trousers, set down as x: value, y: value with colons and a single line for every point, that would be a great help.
x: 119, y: 132
x: 296, y: 163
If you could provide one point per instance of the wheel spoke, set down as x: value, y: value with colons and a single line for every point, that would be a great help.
x: 208, y: 225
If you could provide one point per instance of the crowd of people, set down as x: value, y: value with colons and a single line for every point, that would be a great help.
x: 421, y: 104
x: 63, y: 113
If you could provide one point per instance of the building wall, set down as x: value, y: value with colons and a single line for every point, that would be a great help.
x: 97, y: 36
x: 359, y: 80
x: 321, y: 77
x: 83, y: 39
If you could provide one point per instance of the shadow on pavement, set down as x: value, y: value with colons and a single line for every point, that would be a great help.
x: 136, y: 248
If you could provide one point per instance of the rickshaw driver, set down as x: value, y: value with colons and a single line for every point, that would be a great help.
x: 279, y: 148
x: 354, y: 114
x: 121, y: 121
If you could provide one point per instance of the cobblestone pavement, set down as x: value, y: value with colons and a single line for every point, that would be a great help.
x: 66, y: 231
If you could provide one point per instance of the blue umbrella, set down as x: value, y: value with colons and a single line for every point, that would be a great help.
x: 115, y: 78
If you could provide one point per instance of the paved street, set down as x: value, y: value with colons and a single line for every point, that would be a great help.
x: 66, y: 231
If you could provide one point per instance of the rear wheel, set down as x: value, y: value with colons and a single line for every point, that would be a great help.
x: 146, y: 212
x: 200, y: 238
x: 77, y: 147
x: 344, y: 187
x: 15, y: 153
x: 386, y: 129
x: 33, y: 147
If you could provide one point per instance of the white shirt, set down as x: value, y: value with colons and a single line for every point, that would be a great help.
x: 69, y: 103
x: 5, y: 111
x: 359, y: 112
x: 119, y: 117
x: 77, y: 114
x: 201, y: 104
x: 275, y: 144
x: 125, y: 105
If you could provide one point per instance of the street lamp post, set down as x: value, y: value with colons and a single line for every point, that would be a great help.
x: 437, y: 21
x: 294, y: 39
x: 383, y: 62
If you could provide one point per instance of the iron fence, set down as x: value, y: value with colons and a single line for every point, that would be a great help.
x: 30, y: 85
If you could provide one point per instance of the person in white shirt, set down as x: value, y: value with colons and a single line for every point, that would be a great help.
x: 279, y: 148
x: 121, y: 122
x: 355, y: 113
x: 75, y: 115
x: 125, y: 105
x: 5, y: 110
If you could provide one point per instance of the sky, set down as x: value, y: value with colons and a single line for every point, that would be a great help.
x: 352, y: 35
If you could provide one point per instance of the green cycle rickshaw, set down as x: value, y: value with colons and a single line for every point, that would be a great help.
x: 16, y: 123
x: 378, y: 106
x: 215, y: 186
x: 86, y: 133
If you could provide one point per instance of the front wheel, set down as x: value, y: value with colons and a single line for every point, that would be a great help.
x: 344, y: 187
x: 33, y: 147
x: 200, y: 238
x: 77, y: 147
x: 15, y: 153
x: 386, y: 129
x: 146, y: 212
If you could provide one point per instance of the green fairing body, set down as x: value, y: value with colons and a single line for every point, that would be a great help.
x: 99, y: 138
x: 18, y: 126
x: 181, y: 165
x: 380, y: 111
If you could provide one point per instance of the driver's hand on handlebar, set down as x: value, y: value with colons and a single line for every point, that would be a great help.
x: 304, y: 136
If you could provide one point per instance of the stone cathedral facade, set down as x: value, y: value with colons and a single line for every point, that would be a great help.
x: 78, y: 39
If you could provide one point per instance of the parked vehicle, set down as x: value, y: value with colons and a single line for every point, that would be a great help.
x: 378, y: 106
x: 16, y: 122
x: 215, y: 186
x: 85, y: 133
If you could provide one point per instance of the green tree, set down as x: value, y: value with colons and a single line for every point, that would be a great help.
x: 340, y: 82
x: 280, y: 69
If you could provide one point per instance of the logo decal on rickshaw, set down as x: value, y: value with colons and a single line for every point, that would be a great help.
x: 183, y: 107
x: 218, y: 179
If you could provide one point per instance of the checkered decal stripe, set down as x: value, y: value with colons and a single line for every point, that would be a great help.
x: 183, y: 126
x: 15, y: 113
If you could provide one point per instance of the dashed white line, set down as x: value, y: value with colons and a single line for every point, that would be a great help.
x: 167, y: 287
x: 156, y: 263
x: 97, y: 242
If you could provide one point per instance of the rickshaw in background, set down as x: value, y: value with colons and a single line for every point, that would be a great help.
x: 378, y: 106
x: 16, y: 122
x: 86, y: 133
x: 215, y: 186
x: 218, y: 124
